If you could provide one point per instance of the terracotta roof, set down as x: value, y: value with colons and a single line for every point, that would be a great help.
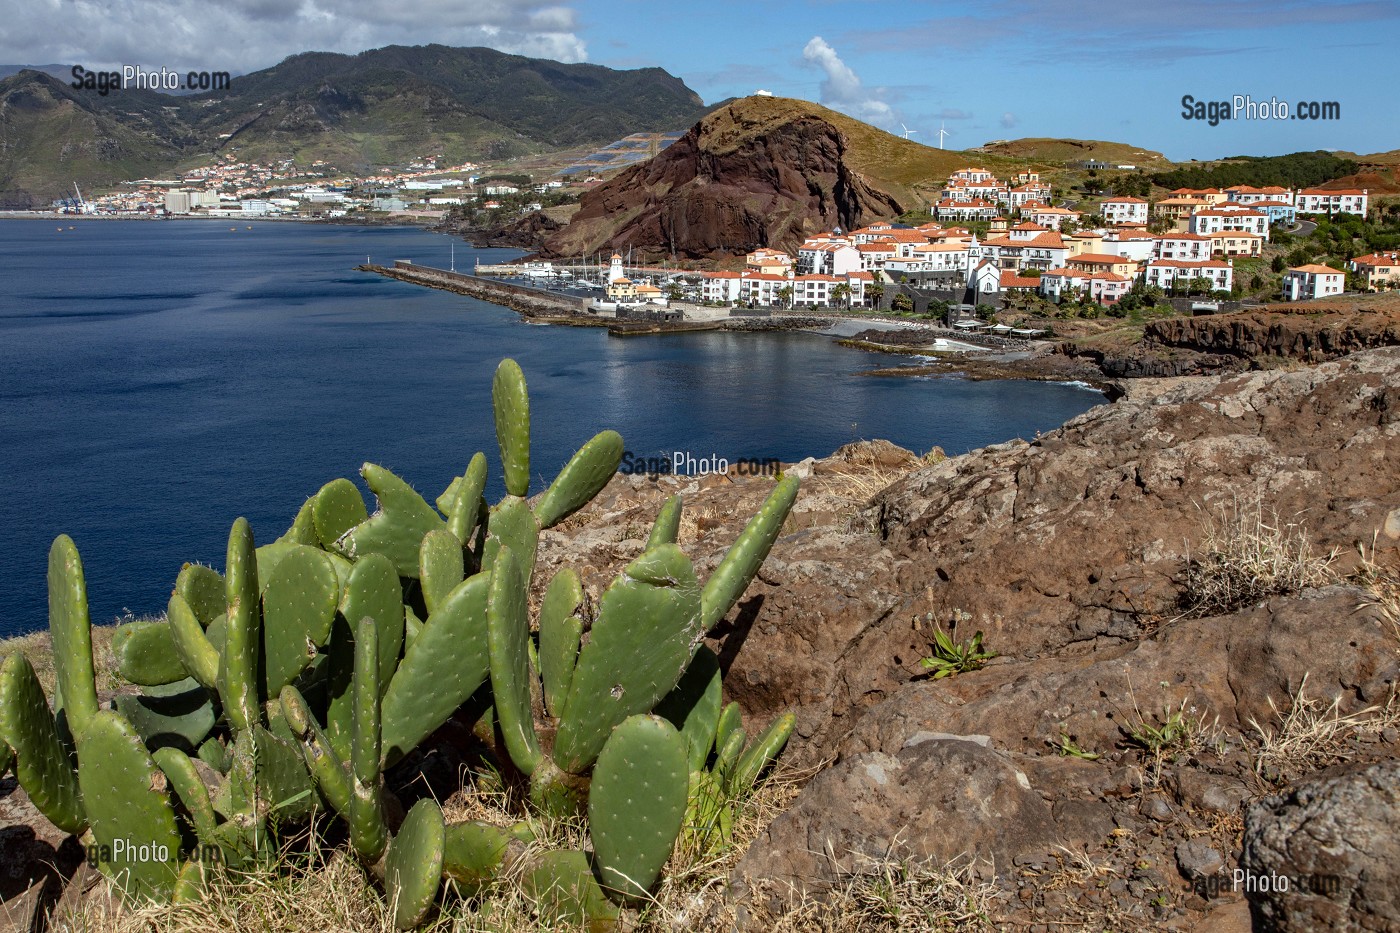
x: 1009, y: 279
x: 1099, y: 258
x: 1315, y: 269
x: 1378, y: 259
x: 1124, y: 201
x: 1332, y: 191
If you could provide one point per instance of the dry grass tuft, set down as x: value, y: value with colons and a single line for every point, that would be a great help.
x: 889, y: 895
x: 38, y: 648
x: 1382, y: 585
x: 1313, y: 734
x: 1250, y: 555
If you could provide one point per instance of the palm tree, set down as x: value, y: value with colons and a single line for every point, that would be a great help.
x: 841, y: 294
x: 785, y: 296
x: 876, y: 291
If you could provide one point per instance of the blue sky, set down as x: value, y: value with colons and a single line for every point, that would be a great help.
x: 995, y: 69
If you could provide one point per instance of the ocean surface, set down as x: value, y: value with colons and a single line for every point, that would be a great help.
x: 159, y: 379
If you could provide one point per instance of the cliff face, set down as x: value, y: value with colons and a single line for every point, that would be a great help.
x: 1311, y: 334
x: 756, y: 173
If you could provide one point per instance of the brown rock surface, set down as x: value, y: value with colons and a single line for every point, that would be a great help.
x: 1070, y: 552
x: 1325, y: 856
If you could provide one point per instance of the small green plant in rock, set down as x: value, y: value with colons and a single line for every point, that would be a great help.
x: 1068, y: 748
x: 951, y: 657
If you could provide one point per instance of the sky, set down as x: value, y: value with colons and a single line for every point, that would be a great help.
x: 979, y: 71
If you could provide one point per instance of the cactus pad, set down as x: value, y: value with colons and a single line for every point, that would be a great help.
x: 203, y: 589
x: 396, y: 530
x: 238, y: 671
x: 560, y: 633
x: 41, y: 762
x: 440, y: 566
x: 71, y: 632
x: 146, y: 654
x: 179, y: 715
x: 648, y: 626
x: 335, y: 509
x: 582, y: 478
x: 413, y: 864
x: 694, y: 706
x: 567, y: 895
x: 636, y: 805
x: 444, y: 665
x: 668, y: 524
x: 474, y: 853
x: 298, y: 607
x: 133, y: 822
x: 760, y: 754
x: 511, y: 402
x: 508, y: 637
x: 736, y: 571
x: 191, y: 641
x: 464, y: 499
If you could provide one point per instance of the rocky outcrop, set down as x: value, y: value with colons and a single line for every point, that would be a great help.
x: 1325, y: 856
x: 1310, y: 333
x: 1116, y: 736
x: 759, y: 172
x: 1243, y: 340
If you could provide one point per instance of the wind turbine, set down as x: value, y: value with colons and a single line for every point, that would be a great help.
x: 941, y: 133
x: 908, y: 132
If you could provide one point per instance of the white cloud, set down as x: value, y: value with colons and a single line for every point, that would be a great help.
x: 842, y: 89
x: 247, y: 35
x: 1008, y: 120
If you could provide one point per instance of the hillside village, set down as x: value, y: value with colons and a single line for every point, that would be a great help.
x: 1186, y: 244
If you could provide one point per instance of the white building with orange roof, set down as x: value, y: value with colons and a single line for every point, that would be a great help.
x: 971, y: 175
x: 1190, y: 246
x: 929, y: 258
x: 1124, y: 210
x: 827, y: 257
x: 1021, y: 250
x: 1030, y: 193
x: 874, y: 255
x: 721, y: 288
x: 1102, y: 262
x: 1106, y: 288
x: 763, y: 290
x: 875, y: 231
x: 1236, y: 243
x: 975, y: 209
x: 1050, y: 217
x: 1380, y: 270
x: 1333, y: 201
x: 1304, y: 283
x: 1211, y: 195
x: 1130, y: 244
x: 1230, y: 217
x: 765, y: 259
x: 1165, y: 272
x: 1247, y: 194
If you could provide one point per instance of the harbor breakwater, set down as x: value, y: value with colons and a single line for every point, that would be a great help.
x: 530, y: 302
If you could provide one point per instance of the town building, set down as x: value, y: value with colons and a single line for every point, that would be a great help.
x: 1305, y: 283
x: 1380, y: 270
x: 1333, y: 201
x: 1164, y: 273
x: 1124, y: 210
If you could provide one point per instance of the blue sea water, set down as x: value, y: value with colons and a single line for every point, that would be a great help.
x: 157, y: 380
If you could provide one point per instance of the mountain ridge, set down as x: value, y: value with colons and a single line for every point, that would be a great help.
x: 356, y: 112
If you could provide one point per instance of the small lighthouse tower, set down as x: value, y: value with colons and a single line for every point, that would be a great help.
x: 615, y: 268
